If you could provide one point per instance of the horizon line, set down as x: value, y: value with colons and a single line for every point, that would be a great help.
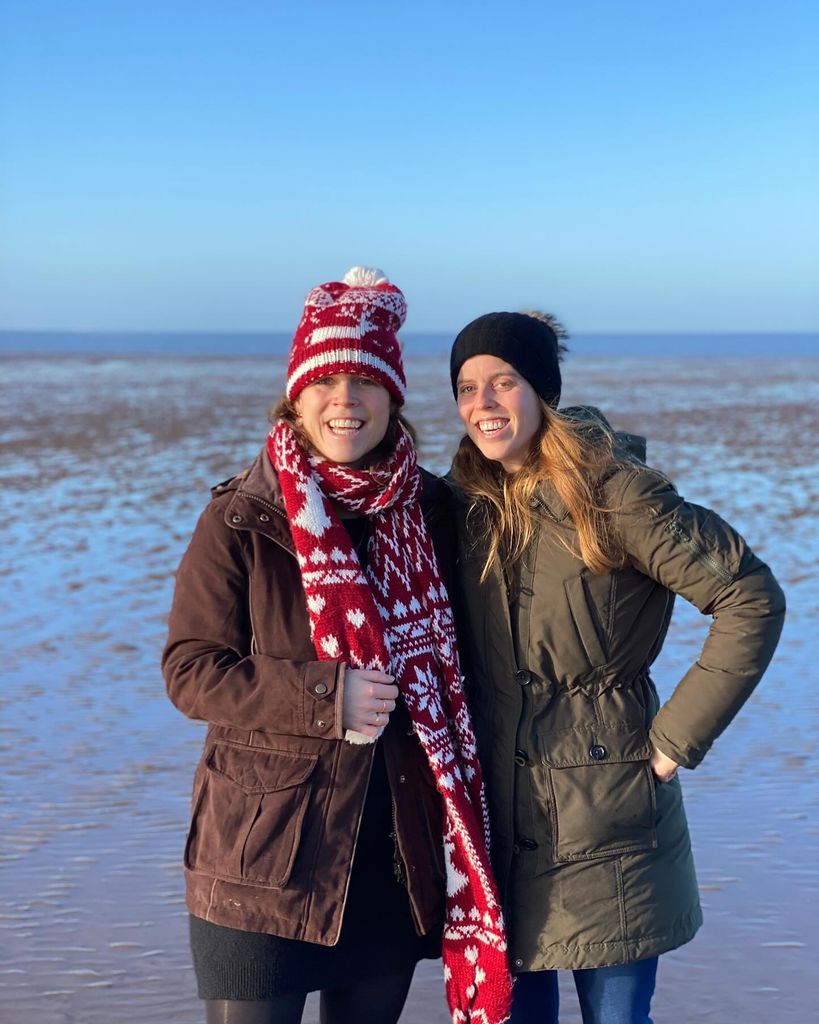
x: 265, y: 332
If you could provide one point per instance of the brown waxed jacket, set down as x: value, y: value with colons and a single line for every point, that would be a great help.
x: 591, y: 853
x: 278, y: 794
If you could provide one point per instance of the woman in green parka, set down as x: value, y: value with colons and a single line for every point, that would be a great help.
x: 571, y: 552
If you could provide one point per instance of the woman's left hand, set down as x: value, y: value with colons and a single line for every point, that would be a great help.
x: 663, y: 767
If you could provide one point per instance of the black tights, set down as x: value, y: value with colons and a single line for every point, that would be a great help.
x: 375, y: 1001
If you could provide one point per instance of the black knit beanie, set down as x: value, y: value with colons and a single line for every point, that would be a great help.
x: 528, y: 344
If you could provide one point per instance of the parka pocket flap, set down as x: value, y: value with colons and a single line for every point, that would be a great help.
x: 260, y: 771
x: 598, y: 746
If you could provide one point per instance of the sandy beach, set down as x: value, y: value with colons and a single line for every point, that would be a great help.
x: 106, y: 463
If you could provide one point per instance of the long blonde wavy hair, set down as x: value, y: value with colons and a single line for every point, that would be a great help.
x: 576, y: 456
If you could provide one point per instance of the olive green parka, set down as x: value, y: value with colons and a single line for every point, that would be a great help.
x: 592, y: 854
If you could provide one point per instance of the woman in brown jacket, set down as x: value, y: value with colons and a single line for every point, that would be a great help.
x: 339, y: 782
x: 571, y: 552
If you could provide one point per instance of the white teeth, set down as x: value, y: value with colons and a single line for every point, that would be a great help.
x: 491, y: 426
x: 345, y: 424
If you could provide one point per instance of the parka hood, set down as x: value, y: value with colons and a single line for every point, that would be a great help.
x: 627, y: 444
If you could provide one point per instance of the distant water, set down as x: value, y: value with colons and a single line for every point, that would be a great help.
x: 242, y: 343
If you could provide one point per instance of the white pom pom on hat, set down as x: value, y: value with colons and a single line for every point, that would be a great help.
x: 364, y: 277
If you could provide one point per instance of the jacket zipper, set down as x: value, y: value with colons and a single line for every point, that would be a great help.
x: 399, y: 860
x: 699, y: 553
x: 398, y: 868
x: 267, y: 504
x: 253, y: 648
x: 540, y: 503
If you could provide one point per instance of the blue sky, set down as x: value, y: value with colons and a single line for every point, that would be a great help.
x: 633, y: 166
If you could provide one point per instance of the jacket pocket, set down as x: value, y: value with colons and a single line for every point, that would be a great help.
x: 248, y: 816
x: 588, y: 631
x: 701, y: 542
x: 602, y: 791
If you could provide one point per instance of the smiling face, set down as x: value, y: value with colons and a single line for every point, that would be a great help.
x: 500, y: 410
x: 345, y: 416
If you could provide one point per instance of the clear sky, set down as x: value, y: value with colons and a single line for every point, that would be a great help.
x: 199, y: 165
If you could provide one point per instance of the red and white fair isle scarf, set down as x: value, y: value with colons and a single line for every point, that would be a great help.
x: 396, y: 618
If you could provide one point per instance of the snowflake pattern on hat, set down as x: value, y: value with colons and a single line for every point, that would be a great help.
x: 350, y: 327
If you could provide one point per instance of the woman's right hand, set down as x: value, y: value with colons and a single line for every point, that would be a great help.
x: 367, y: 699
x: 662, y: 766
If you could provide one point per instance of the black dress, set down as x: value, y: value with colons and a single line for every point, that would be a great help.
x: 377, y: 934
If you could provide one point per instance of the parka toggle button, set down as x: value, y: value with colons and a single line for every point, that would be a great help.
x: 523, y: 676
x: 598, y: 752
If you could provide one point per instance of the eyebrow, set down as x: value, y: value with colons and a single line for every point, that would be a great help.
x: 500, y: 373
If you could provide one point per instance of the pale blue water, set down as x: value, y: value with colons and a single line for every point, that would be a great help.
x: 656, y: 345
x: 105, y: 464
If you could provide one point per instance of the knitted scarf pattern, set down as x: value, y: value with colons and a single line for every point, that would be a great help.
x: 395, y: 617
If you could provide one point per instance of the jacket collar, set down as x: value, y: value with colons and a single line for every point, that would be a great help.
x: 257, y: 503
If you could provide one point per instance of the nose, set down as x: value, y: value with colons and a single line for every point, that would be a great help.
x: 485, y: 396
x: 344, y: 393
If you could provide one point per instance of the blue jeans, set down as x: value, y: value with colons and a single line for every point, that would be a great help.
x: 608, y: 995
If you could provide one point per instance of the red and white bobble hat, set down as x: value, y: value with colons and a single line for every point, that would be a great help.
x: 350, y: 326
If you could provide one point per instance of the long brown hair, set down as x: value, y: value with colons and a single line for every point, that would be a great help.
x: 284, y: 409
x: 576, y: 456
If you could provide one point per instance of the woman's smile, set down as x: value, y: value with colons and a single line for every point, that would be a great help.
x: 345, y: 427
x: 490, y: 428
x: 345, y: 416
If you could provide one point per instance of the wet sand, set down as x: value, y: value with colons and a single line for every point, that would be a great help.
x: 105, y: 466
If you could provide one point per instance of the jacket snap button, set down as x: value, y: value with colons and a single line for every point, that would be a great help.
x: 321, y: 687
x: 320, y: 724
x: 598, y: 753
x: 521, y: 758
x: 518, y: 962
x: 264, y: 517
x: 523, y: 676
x: 236, y: 519
x: 527, y: 844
